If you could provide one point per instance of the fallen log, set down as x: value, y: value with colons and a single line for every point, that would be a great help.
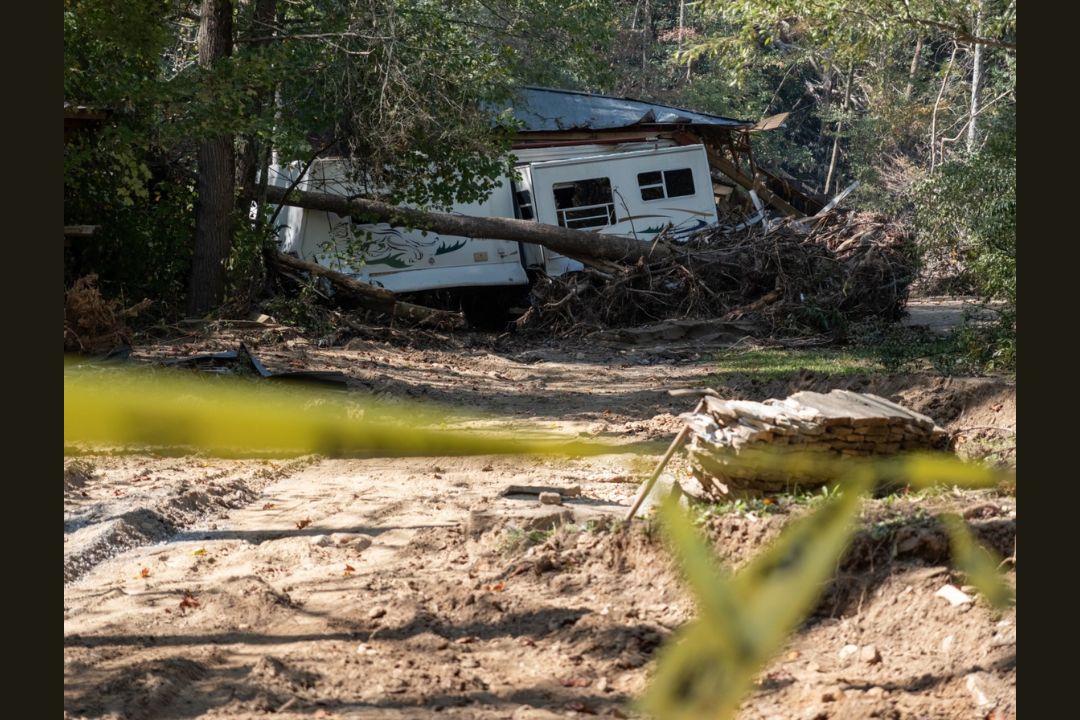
x: 573, y: 243
x: 374, y: 298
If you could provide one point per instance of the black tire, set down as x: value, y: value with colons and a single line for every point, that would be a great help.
x: 488, y: 308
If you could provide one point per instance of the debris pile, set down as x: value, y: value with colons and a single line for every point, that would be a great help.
x: 841, y: 423
x: 812, y: 274
x: 93, y: 324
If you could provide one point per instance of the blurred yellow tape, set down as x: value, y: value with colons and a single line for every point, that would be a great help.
x: 233, y: 417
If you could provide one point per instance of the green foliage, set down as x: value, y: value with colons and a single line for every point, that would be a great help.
x: 967, y: 207
x: 518, y: 540
x: 400, y: 86
x: 978, y: 346
x: 301, y: 309
x: 146, y: 217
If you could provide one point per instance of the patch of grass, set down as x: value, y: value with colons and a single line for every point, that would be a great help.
x: 744, y: 507
x: 997, y: 450
x: 776, y: 363
x: 972, y: 349
x: 517, y: 540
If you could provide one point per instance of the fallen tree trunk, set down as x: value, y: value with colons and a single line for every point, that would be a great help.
x: 374, y: 298
x: 562, y: 240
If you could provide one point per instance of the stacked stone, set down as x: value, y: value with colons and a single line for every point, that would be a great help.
x: 840, y: 423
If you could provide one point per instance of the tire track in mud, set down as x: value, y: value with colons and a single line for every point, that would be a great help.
x: 119, y: 504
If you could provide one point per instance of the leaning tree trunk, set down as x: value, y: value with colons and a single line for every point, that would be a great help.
x: 573, y: 243
x: 374, y: 298
x: 839, y: 127
x: 216, y: 180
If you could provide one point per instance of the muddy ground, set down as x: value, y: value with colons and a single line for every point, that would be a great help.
x: 414, y: 588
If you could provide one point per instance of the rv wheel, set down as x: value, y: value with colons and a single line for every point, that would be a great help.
x: 487, y: 308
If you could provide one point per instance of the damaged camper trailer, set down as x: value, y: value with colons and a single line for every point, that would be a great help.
x: 583, y: 161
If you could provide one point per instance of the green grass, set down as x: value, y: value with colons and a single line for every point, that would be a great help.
x: 776, y: 363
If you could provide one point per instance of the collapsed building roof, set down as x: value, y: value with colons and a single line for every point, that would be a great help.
x: 546, y: 110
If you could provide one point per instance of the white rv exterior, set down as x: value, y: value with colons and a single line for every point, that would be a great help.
x: 634, y: 190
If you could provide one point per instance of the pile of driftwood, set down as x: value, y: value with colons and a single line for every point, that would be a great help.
x: 806, y: 275
x: 726, y: 435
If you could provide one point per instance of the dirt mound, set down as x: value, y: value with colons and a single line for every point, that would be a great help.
x: 929, y: 655
x: 276, y: 673
x: 248, y: 597
x: 77, y: 473
x: 141, y: 690
x: 102, y: 541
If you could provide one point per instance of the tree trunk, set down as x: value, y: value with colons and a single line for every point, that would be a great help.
x: 562, y: 240
x: 839, y: 126
x: 646, y: 36
x: 216, y: 175
x: 937, y: 103
x: 976, y: 81
x: 913, y: 69
x: 682, y: 34
x: 374, y: 298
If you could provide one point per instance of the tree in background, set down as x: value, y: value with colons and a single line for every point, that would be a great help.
x: 202, y: 95
x: 913, y: 98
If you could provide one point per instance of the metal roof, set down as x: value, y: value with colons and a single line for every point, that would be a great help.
x: 547, y: 109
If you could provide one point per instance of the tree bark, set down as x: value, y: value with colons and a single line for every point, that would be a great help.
x: 216, y: 175
x: 913, y: 69
x: 374, y: 298
x: 937, y: 103
x: 976, y: 81
x: 562, y: 240
x: 839, y: 127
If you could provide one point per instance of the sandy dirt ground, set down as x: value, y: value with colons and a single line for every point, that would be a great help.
x: 414, y: 588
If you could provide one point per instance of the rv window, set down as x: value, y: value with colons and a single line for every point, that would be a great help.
x: 679, y: 182
x: 671, y: 183
x: 584, y: 203
x: 652, y: 185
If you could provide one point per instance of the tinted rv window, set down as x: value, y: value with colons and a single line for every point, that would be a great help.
x: 670, y: 183
x: 584, y: 203
x: 652, y: 185
x: 679, y: 182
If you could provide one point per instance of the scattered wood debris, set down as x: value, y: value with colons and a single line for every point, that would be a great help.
x: 841, y: 423
x: 93, y: 324
x: 572, y: 491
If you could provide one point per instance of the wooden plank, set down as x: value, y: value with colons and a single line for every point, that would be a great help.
x: 835, y: 406
x: 770, y: 123
x: 80, y: 231
x: 727, y: 167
